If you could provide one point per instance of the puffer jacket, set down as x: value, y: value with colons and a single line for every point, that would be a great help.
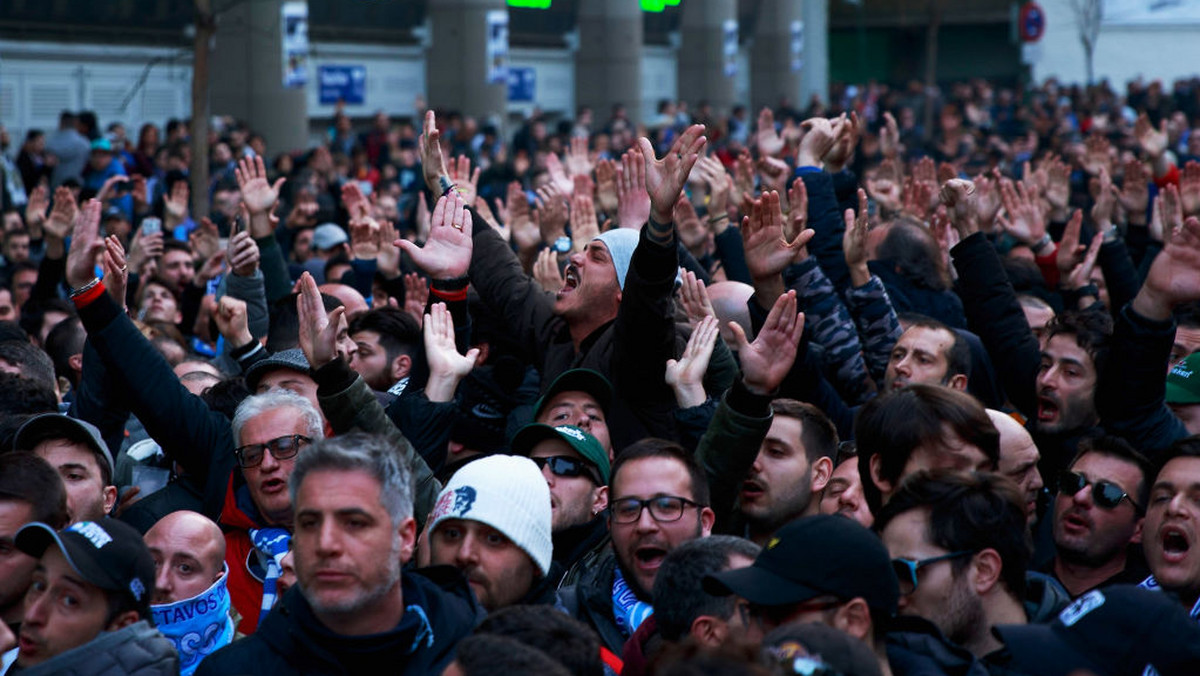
x: 136, y: 650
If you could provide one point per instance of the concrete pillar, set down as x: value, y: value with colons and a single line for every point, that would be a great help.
x: 246, y: 76
x: 456, y: 66
x: 773, y: 77
x: 608, y: 65
x: 702, y: 58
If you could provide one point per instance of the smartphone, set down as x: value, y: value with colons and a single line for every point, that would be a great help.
x: 122, y: 187
x: 151, y: 226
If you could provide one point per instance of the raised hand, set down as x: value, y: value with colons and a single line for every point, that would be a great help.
x: 665, y: 178
x: 433, y: 165
x: 485, y: 212
x: 579, y: 161
x: 206, y: 239
x: 889, y: 137
x: 693, y: 296
x: 916, y: 199
x: 774, y: 174
x: 959, y: 197
x: 258, y: 194
x: 1106, y: 199
x: 1189, y: 189
x: 85, y: 245
x: 766, y: 361
x: 1135, y: 191
x: 854, y: 241
x: 1174, y: 276
x: 416, y: 296
x: 35, y: 210
x: 743, y: 178
x: 355, y: 202
x: 1081, y: 275
x: 819, y: 137
x: 1152, y: 141
x: 686, y: 374
x: 242, y: 254
x: 886, y: 187
x: 842, y: 151
x: 144, y: 250
x: 766, y: 137
x: 447, y: 252
x: 545, y: 270
x: 175, y: 205
x: 606, y: 186
x: 584, y: 225
x: 318, y: 330
x: 466, y: 182
x: 1097, y: 154
x: 692, y: 232
x: 1070, y: 251
x: 633, y: 203
x: 232, y: 321
x: 767, y: 252
x: 364, y: 238
x: 987, y: 199
x: 558, y: 174
x: 446, y: 366
x: 1172, y: 212
x: 797, y: 218
x: 551, y: 212
x: 1024, y: 221
x: 525, y: 231
x: 62, y: 215
x: 1058, y: 184
x: 116, y: 271
x: 387, y: 261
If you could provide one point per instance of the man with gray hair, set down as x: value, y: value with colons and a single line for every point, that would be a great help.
x: 352, y: 609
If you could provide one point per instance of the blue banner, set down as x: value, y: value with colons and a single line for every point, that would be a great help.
x: 522, y: 83
x: 344, y: 83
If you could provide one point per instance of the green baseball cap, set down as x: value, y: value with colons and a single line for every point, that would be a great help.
x: 580, y: 441
x: 1183, y: 382
x: 578, y: 380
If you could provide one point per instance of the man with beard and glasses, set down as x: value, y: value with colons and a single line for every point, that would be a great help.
x: 794, y: 464
x: 1098, y: 514
x: 960, y: 548
x: 658, y: 500
x: 352, y: 609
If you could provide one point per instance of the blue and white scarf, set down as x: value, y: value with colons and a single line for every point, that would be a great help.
x: 1152, y: 584
x: 272, y: 545
x: 198, y: 626
x: 627, y: 609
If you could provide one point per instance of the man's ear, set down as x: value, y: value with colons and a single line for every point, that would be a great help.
x: 708, y: 631
x: 958, y: 382
x: 599, y: 500
x: 854, y: 618
x: 1136, y: 538
x: 985, y: 570
x: 123, y: 620
x: 707, y: 519
x: 401, y: 366
x: 408, y: 538
x: 822, y: 470
x: 882, y: 484
x: 75, y: 361
x: 110, y: 498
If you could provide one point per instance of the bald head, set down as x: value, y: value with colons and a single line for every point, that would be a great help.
x: 1018, y: 458
x: 729, y: 302
x: 189, y: 555
x: 350, y: 297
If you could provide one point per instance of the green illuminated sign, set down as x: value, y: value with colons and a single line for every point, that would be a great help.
x: 530, y: 4
x: 647, y: 5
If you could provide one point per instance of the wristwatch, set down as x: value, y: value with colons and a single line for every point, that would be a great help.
x: 562, y: 244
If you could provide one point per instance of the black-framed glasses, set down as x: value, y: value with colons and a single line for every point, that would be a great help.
x: 907, y: 569
x: 281, y: 448
x: 566, y: 466
x: 663, y: 508
x: 1105, y: 494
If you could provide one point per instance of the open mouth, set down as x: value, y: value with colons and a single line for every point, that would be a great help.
x: 1047, y: 410
x: 273, y: 485
x: 649, y: 557
x: 1175, y: 544
x: 570, y: 280
x: 752, y: 489
x: 1075, y: 523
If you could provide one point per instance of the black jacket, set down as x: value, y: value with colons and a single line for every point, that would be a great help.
x: 591, y: 602
x: 440, y: 612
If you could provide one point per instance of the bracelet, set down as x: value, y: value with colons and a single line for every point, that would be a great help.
x: 1042, y: 243
x: 85, y: 288
x: 1111, y: 233
x: 449, y: 296
x: 1088, y: 290
x: 445, y: 184
x: 718, y: 219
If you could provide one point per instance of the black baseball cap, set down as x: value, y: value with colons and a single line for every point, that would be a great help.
x: 823, y: 555
x: 46, y: 426
x: 578, y: 380
x: 108, y: 553
x: 1113, y: 631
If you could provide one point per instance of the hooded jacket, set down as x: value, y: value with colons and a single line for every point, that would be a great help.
x: 439, y: 612
x: 136, y: 650
x: 590, y: 601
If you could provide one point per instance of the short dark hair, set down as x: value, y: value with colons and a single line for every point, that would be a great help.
x: 958, y: 357
x: 172, y: 244
x: 1119, y: 449
x: 492, y: 655
x: 120, y: 602
x: 679, y: 595
x: 969, y: 511
x: 398, y: 332
x: 20, y: 396
x: 1188, y: 447
x: 817, y: 431
x: 914, y: 253
x: 28, y: 478
x: 562, y: 637
x: 158, y: 280
x: 1092, y: 330
x: 894, y: 424
x: 32, y: 362
x: 1188, y: 314
x: 661, y: 448
x: 64, y: 341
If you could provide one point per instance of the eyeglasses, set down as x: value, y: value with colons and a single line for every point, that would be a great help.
x: 906, y: 569
x: 564, y: 466
x: 1105, y: 494
x: 282, y: 448
x: 663, y: 508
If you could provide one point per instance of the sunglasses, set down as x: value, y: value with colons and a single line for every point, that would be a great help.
x: 1105, y: 494
x: 281, y: 448
x: 907, y: 569
x: 561, y: 465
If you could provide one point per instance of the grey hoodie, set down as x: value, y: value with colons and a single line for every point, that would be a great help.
x: 136, y: 650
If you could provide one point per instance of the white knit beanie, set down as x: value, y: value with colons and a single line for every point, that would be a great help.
x: 509, y: 494
x: 620, y: 242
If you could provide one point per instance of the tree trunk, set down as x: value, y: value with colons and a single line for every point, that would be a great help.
x: 205, y: 26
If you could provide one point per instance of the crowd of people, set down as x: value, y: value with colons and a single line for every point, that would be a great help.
x: 899, y: 384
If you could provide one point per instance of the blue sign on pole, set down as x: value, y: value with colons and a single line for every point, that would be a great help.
x: 342, y: 83
x: 522, y: 83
